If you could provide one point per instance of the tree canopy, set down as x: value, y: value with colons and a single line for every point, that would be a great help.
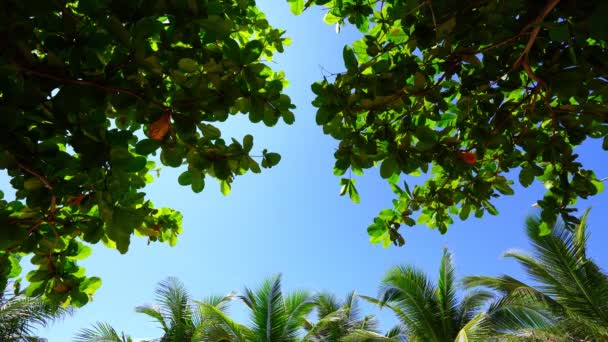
x: 91, y: 91
x: 471, y: 94
x: 94, y: 92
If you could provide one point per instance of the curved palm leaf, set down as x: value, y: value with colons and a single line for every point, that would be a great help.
x: 174, y: 310
x: 274, y: 317
x: 219, y: 326
x: 572, y: 288
x: 20, y: 315
x: 101, y: 332
x: 338, y: 319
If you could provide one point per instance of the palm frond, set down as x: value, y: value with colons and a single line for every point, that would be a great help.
x: 268, y: 313
x: 409, y: 289
x: 19, y: 315
x: 359, y: 335
x: 471, y: 304
x: 101, y: 332
x: 222, y: 303
x: 154, y: 312
x: 219, y: 326
x: 576, y: 282
x: 298, y: 304
x: 446, y: 293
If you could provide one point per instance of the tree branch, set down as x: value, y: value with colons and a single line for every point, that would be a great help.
x: 548, y: 8
x: 91, y: 84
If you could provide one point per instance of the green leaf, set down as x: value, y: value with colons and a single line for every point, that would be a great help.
x: 504, y: 188
x: 352, y: 193
x: 15, y: 269
x: 389, y: 168
x: 419, y: 81
x: 271, y: 159
x: 605, y: 143
x: 248, y: 142
x: 345, y: 184
x: 544, y: 229
x: 324, y: 115
x: 296, y: 6
x: 559, y: 32
x: 331, y: 19
x: 377, y: 229
x: 82, y: 253
x: 188, y: 65
x: 210, y: 131
x: 185, y: 178
x: 387, y: 215
x: 599, y: 186
x: 350, y: 60
x: 423, y: 218
x: 526, y: 176
x: 490, y: 208
x: 225, y: 187
x: 426, y: 135
x: 216, y: 26
x: 465, y: 211
x: 90, y: 285
x: 198, y: 182
x: 252, y: 51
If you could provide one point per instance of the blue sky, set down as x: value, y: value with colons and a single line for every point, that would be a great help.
x: 290, y: 218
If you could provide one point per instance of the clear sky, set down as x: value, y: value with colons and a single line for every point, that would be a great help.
x: 290, y: 218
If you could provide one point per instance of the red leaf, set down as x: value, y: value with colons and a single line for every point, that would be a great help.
x: 468, y: 157
x: 160, y: 127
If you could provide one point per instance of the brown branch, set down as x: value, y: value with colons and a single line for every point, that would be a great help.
x: 30, y: 171
x: 548, y: 8
x: 91, y: 84
x: 42, y: 179
x: 531, y: 74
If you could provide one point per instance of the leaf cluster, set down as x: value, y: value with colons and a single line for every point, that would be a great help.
x: 468, y: 94
x: 93, y: 92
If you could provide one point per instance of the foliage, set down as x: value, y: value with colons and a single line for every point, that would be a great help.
x: 19, y: 315
x: 338, y: 320
x: 174, y: 311
x: 568, y: 304
x: 469, y: 94
x: 92, y: 92
x: 273, y: 316
x: 570, y: 285
x: 101, y: 332
x: 433, y: 312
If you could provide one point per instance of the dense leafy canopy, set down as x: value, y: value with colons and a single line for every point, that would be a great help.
x: 91, y: 91
x: 472, y: 94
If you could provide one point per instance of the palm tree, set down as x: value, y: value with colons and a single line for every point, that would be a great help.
x: 180, y: 318
x: 570, y: 285
x: 340, y: 320
x: 101, y: 332
x: 433, y: 312
x: 174, y: 312
x: 274, y: 317
x: 19, y: 315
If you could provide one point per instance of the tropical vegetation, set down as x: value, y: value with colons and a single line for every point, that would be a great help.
x: 567, y: 303
x: 470, y: 93
x: 20, y: 315
x: 567, y: 284
x: 92, y: 91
